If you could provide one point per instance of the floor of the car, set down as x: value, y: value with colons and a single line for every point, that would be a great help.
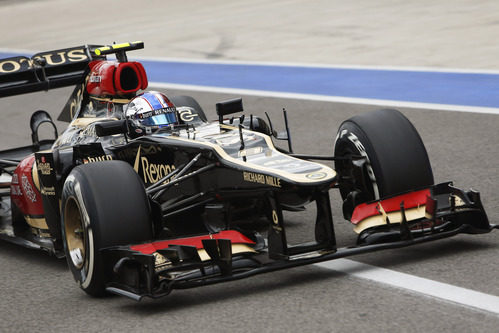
x: 24, y: 236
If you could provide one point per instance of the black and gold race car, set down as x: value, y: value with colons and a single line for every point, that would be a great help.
x: 142, y: 211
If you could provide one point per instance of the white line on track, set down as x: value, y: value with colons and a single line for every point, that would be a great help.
x: 443, y: 291
x: 320, y: 65
x: 325, y: 98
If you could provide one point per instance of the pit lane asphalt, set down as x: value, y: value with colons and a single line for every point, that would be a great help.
x: 38, y: 293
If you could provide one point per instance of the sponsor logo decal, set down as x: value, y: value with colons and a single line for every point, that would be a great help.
x: 16, y: 64
x: 275, y: 221
x: 97, y: 159
x: 28, y: 190
x: 95, y: 78
x: 160, y: 262
x: 153, y: 113
x: 44, y: 167
x: 316, y: 175
x: 253, y: 177
x: 76, y: 100
x: 186, y: 114
x: 250, y: 151
x: 151, y: 172
x: 48, y: 190
x: 275, y: 218
x: 15, y: 189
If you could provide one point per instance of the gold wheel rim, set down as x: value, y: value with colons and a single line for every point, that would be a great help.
x: 74, y: 231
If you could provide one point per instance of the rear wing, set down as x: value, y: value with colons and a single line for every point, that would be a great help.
x: 55, y: 69
x: 45, y: 70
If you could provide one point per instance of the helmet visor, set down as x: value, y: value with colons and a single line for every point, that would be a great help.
x: 160, y: 119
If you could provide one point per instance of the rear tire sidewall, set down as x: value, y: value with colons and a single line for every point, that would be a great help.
x: 114, y: 211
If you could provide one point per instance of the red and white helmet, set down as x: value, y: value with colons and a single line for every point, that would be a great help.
x: 151, y: 110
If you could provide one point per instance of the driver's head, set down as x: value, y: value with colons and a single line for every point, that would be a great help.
x: 150, y: 111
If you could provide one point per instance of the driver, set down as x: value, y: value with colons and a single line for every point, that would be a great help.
x: 150, y: 111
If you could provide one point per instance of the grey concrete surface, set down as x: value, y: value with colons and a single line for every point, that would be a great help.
x: 444, y: 33
x: 37, y: 292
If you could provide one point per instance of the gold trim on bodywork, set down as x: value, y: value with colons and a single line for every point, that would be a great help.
x: 301, y: 178
x: 236, y: 248
x: 41, y: 232
x: 112, y: 100
x: 161, y: 262
x: 36, y: 222
x: 137, y: 160
x: 85, y: 121
x: 394, y: 217
x: 34, y: 175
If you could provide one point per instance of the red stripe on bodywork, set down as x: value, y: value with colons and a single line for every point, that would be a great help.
x: 23, y: 191
x: 411, y: 200
x: 234, y: 236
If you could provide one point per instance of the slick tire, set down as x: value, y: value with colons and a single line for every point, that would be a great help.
x: 395, y: 158
x: 189, y: 115
x: 103, y: 204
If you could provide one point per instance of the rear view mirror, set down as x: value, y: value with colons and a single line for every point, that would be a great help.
x: 228, y: 107
x: 111, y: 128
x: 37, y: 118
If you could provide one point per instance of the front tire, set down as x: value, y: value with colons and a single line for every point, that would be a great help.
x: 103, y: 204
x: 394, y: 159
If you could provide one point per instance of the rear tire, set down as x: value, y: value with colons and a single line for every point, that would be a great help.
x: 103, y: 204
x: 396, y: 160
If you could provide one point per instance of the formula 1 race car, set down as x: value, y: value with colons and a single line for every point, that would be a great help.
x: 143, y: 195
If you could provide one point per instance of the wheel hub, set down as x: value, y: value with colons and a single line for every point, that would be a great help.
x: 74, y: 233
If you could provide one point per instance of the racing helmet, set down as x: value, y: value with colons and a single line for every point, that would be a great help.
x: 150, y: 111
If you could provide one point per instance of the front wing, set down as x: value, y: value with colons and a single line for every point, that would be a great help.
x: 155, y: 269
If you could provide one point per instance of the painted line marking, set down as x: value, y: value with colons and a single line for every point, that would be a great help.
x: 321, y: 65
x: 325, y: 98
x: 443, y: 291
